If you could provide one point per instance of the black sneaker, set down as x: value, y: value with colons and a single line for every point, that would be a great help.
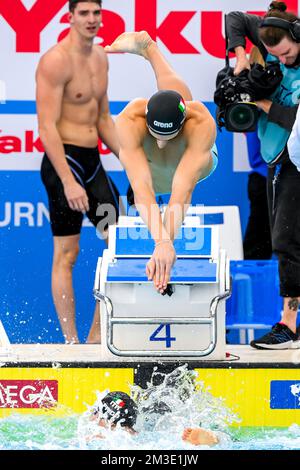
x: 280, y: 337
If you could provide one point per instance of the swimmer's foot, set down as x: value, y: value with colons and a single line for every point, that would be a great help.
x: 199, y: 436
x: 72, y: 340
x: 134, y: 43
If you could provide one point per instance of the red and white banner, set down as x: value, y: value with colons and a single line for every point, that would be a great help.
x: 190, y: 34
x: 28, y: 393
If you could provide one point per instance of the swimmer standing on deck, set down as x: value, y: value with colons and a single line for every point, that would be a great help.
x: 73, y: 112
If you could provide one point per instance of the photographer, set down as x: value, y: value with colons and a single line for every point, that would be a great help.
x: 277, y: 36
x: 257, y: 242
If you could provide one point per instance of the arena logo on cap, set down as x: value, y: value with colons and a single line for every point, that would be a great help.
x: 108, y: 410
x: 164, y: 125
x: 28, y: 393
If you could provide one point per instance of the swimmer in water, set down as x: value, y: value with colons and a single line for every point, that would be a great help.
x: 118, y: 408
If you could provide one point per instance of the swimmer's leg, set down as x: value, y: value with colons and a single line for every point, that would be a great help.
x: 66, y: 250
x: 141, y: 43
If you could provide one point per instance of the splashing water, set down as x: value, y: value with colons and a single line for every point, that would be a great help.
x: 170, y: 403
x: 178, y: 402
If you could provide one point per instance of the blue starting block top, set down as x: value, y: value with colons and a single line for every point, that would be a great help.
x: 185, y: 270
x: 137, y: 241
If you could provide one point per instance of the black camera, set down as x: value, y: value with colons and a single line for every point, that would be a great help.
x: 235, y: 95
x: 237, y: 113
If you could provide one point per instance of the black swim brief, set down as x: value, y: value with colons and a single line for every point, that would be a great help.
x: 103, y: 196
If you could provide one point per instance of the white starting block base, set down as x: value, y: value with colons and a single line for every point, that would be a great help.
x: 139, y: 323
x: 180, y: 333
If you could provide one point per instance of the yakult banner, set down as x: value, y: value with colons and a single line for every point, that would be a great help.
x: 191, y: 35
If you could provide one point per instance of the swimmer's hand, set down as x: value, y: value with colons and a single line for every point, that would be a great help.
x: 199, y: 436
x: 76, y: 196
x: 159, y: 267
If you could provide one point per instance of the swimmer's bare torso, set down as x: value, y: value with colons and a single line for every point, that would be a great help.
x: 85, y: 85
x: 164, y: 161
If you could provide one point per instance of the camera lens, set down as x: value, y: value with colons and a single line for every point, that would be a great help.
x: 241, y: 117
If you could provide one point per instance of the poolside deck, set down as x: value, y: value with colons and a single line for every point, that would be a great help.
x: 90, y: 356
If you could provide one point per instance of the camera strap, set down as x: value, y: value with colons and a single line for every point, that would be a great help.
x: 226, y: 44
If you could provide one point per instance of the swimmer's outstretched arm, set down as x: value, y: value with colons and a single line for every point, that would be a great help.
x: 196, y: 163
x: 131, y: 128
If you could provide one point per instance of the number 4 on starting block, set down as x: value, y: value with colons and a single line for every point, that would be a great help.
x: 168, y: 338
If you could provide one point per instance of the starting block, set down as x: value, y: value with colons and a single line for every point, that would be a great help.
x: 137, y: 321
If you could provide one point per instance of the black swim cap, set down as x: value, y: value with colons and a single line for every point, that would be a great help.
x: 119, y: 407
x: 165, y: 112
